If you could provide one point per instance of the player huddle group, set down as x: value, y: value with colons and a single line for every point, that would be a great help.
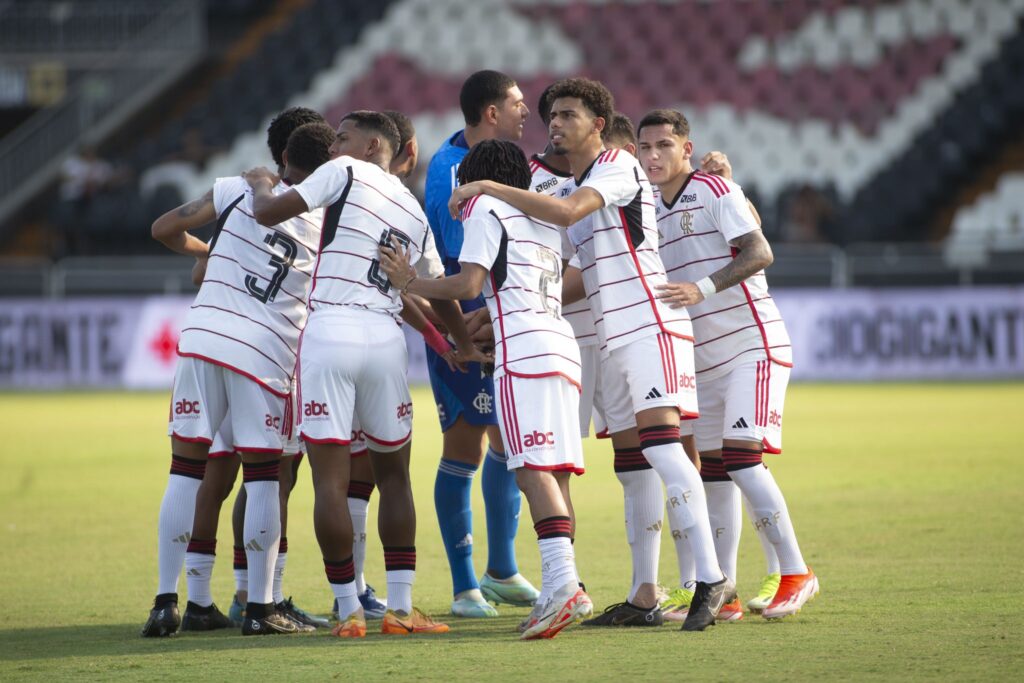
x: 669, y: 342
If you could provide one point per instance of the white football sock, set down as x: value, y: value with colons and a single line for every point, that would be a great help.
x: 357, y: 508
x: 726, y: 518
x: 262, y: 534
x: 177, y: 511
x: 198, y: 571
x: 400, y: 589
x: 684, y: 555
x: 278, y: 592
x: 348, y: 601
x: 772, y: 515
x: 242, y: 580
x: 557, y: 562
x: 771, y: 558
x: 641, y: 491
x: 687, y: 505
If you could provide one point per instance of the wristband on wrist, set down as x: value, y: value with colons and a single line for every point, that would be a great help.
x: 434, y: 340
x: 706, y: 287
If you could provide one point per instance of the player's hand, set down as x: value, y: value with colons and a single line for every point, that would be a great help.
x: 716, y: 163
x: 472, y: 354
x: 478, y: 325
x: 454, y: 362
x: 260, y: 176
x: 679, y: 294
x: 394, y: 261
x: 462, y: 194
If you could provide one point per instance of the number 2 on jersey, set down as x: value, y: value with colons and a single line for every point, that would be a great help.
x: 550, y: 274
x: 280, y: 264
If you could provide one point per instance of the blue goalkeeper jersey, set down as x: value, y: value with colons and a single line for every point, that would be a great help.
x: 442, y: 177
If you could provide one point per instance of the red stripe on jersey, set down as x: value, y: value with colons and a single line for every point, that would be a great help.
x: 701, y: 260
x: 664, y: 363
x: 240, y: 315
x: 710, y: 184
x: 292, y: 237
x: 760, y: 325
x: 716, y: 180
x: 728, y: 334
x: 346, y: 253
x: 467, y: 209
x: 554, y: 373
x: 385, y: 196
x: 232, y: 368
x: 251, y: 272
x: 242, y: 291
x: 691, y: 208
x: 726, y: 310
x: 643, y: 280
x: 262, y: 250
x: 643, y: 327
x: 683, y: 237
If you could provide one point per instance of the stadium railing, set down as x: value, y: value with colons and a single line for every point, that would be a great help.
x: 120, y: 80
x: 796, y: 265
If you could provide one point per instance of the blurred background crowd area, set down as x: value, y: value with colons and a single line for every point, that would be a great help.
x: 881, y: 140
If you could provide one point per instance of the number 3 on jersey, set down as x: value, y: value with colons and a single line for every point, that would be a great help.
x: 550, y: 274
x: 374, y: 276
x: 280, y: 264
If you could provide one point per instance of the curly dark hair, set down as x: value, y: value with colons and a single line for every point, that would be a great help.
x: 497, y: 160
x: 594, y: 95
x: 658, y: 117
x: 406, y: 131
x: 619, y: 131
x: 309, y: 146
x: 376, y: 122
x: 282, y: 126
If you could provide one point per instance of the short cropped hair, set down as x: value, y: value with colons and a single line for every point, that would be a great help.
x: 593, y: 94
x: 376, y: 122
x: 406, y: 131
x: 619, y: 131
x: 309, y: 146
x: 497, y: 160
x: 284, y: 124
x: 671, y: 117
x: 481, y: 90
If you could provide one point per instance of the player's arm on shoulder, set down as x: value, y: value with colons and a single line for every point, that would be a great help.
x: 717, y: 163
x: 753, y: 254
x: 572, y: 285
x: 267, y: 208
x: 171, y: 229
x: 559, y: 211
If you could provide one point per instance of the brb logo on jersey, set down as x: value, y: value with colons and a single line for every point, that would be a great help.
x: 315, y: 409
x: 404, y: 410
x: 539, y: 440
x: 186, y: 408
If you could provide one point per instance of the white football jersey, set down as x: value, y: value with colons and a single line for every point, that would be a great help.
x: 251, y: 306
x: 364, y: 207
x: 549, y: 181
x: 617, y: 246
x: 742, y: 323
x: 523, y: 290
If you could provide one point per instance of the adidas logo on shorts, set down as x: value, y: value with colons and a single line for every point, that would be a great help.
x: 654, y: 393
x: 740, y: 424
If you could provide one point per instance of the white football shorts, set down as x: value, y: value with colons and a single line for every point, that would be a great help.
x: 200, y: 401
x: 651, y: 372
x: 745, y: 404
x: 539, y: 422
x: 353, y: 366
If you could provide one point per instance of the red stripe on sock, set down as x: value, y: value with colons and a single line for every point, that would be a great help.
x: 201, y: 546
x: 340, y: 572
x: 360, y: 489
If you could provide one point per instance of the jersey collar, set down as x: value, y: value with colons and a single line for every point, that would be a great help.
x: 459, y: 139
x: 555, y: 172
x: 669, y: 205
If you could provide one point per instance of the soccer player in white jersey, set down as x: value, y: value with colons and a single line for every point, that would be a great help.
x: 353, y: 360
x: 715, y: 254
x: 610, y: 218
x: 517, y: 262
x: 237, y: 350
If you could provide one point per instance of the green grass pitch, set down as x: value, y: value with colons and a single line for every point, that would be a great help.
x: 908, y: 501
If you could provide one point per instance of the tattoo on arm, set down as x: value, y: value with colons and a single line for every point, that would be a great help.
x: 753, y: 254
x: 194, y: 207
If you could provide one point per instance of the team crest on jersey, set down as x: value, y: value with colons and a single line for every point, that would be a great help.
x: 484, y: 403
x: 686, y: 223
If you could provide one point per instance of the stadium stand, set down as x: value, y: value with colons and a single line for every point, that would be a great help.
x: 846, y: 122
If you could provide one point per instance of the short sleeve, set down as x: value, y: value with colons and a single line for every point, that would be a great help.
x: 429, y: 265
x: 481, y: 240
x: 733, y: 213
x: 574, y: 262
x: 615, y: 180
x: 226, y: 191
x: 324, y: 186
